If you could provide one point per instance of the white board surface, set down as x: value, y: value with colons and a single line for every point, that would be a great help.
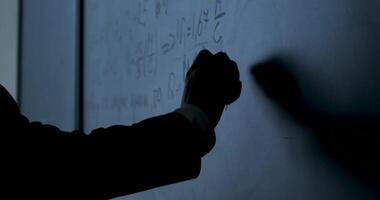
x: 137, y: 53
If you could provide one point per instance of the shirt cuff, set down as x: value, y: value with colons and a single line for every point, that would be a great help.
x: 195, y: 116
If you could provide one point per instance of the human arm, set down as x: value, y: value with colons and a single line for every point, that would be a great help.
x: 108, y: 162
x: 121, y: 159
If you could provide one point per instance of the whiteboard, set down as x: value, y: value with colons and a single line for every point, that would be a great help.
x: 137, y: 53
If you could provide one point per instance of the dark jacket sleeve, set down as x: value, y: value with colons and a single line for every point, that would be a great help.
x: 109, y: 162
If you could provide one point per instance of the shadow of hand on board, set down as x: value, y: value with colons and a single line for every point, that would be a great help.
x: 351, y: 141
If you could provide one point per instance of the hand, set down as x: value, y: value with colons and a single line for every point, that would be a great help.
x: 211, y: 83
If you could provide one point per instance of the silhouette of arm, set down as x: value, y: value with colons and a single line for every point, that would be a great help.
x: 109, y: 162
x: 119, y: 160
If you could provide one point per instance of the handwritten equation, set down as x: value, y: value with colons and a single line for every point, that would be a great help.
x: 149, y: 46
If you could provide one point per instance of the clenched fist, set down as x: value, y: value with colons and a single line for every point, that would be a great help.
x: 212, y: 82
